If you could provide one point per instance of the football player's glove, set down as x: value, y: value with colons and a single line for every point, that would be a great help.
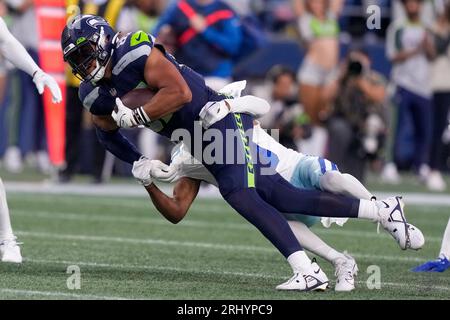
x: 42, y: 80
x: 141, y: 171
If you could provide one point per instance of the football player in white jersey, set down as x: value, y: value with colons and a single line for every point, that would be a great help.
x: 13, y: 51
x: 307, y: 172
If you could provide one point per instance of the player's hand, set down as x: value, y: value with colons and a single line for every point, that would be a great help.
x: 164, y: 173
x: 213, y: 112
x: 234, y: 89
x: 42, y: 80
x: 141, y: 171
x: 124, y: 116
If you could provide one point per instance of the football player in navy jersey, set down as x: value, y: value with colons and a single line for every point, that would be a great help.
x: 112, y: 64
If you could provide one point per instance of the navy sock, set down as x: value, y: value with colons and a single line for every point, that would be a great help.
x: 288, y: 199
x: 267, y: 219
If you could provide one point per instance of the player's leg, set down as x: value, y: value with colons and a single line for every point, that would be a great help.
x: 442, y: 263
x: 289, y: 199
x: 236, y: 183
x: 275, y: 228
x: 321, y: 174
x: 344, y: 264
x: 345, y: 184
x: 445, y: 248
x: 9, y: 249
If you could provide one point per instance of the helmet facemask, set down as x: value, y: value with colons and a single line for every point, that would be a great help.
x: 81, y: 56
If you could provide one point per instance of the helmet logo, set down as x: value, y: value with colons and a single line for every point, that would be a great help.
x: 81, y: 40
x: 95, y: 21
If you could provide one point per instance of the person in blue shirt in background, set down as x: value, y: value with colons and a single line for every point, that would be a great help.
x: 208, y: 34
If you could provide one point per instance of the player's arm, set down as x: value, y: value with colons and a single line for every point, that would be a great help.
x: 176, y: 207
x: 109, y: 135
x: 172, y: 90
x: 14, y: 51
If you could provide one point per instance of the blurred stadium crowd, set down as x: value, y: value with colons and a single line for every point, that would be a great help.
x: 366, y: 99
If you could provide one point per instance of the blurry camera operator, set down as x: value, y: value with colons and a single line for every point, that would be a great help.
x: 285, y: 113
x: 356, y: 125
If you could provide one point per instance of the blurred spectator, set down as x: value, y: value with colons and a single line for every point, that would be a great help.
x: 110, y: 10
x: 356, y: 127
x: 285, y: 111
x: 140, y: 15
x: 208, y: 35
x: 440, y: 84
x: 31, y: 132
x: 408, y: 48
x: 427, y: 13
x: 319, y: 32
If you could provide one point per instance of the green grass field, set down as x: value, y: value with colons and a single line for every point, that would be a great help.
x: 124, y: 249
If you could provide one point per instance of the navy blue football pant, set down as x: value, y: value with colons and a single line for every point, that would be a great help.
x: 260, y: 198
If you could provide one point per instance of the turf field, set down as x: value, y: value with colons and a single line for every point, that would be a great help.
x: 124, y: 249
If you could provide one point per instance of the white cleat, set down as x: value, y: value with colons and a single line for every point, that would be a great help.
x: 393, y: 220
x: 346, y: 270
x: 315, y: 280
x: 10, y: 251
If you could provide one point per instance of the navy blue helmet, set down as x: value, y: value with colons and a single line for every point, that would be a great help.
x: 85, y: 39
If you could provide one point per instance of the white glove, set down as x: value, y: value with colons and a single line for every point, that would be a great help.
x: 164, y: 173
x: 141, y: 171
x: 327, y: 222
x: 213, y: 112
x: 42, y: 80
x: 234, y: 89
x: 124, y: 116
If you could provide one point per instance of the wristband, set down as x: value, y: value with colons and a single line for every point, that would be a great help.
x: 140, y: 116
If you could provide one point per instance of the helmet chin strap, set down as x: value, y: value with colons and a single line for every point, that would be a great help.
x: 98, y: 73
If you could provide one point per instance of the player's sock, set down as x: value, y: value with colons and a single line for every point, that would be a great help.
x: 311, y: 242
x: 267, y: 219
x: 6, y: 232
x: 445, y: 248
x: 346, y: 184
x: 368, y: 210
x: 299, y: 262
x: 286, y: 198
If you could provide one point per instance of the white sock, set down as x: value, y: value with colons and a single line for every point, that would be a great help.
x: 311, y: 242
x: 299, y: 262
x: 368, y: 210
x: 345, y: 184
x: 445, y: 248
x: 5, y: 223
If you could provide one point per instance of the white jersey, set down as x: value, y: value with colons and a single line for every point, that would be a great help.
x: 192, y: 168
x: 287, y: 158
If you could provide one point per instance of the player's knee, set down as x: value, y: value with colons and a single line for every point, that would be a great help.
x: 332, y: 181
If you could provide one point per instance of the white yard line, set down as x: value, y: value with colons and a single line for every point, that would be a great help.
x: 58, y: 294
x: 194, y: 223
x: 131, y: 190
x: 147, y: 241
x: 203, y: 245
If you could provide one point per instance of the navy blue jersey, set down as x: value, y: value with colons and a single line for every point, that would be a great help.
x: 128, y: 64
